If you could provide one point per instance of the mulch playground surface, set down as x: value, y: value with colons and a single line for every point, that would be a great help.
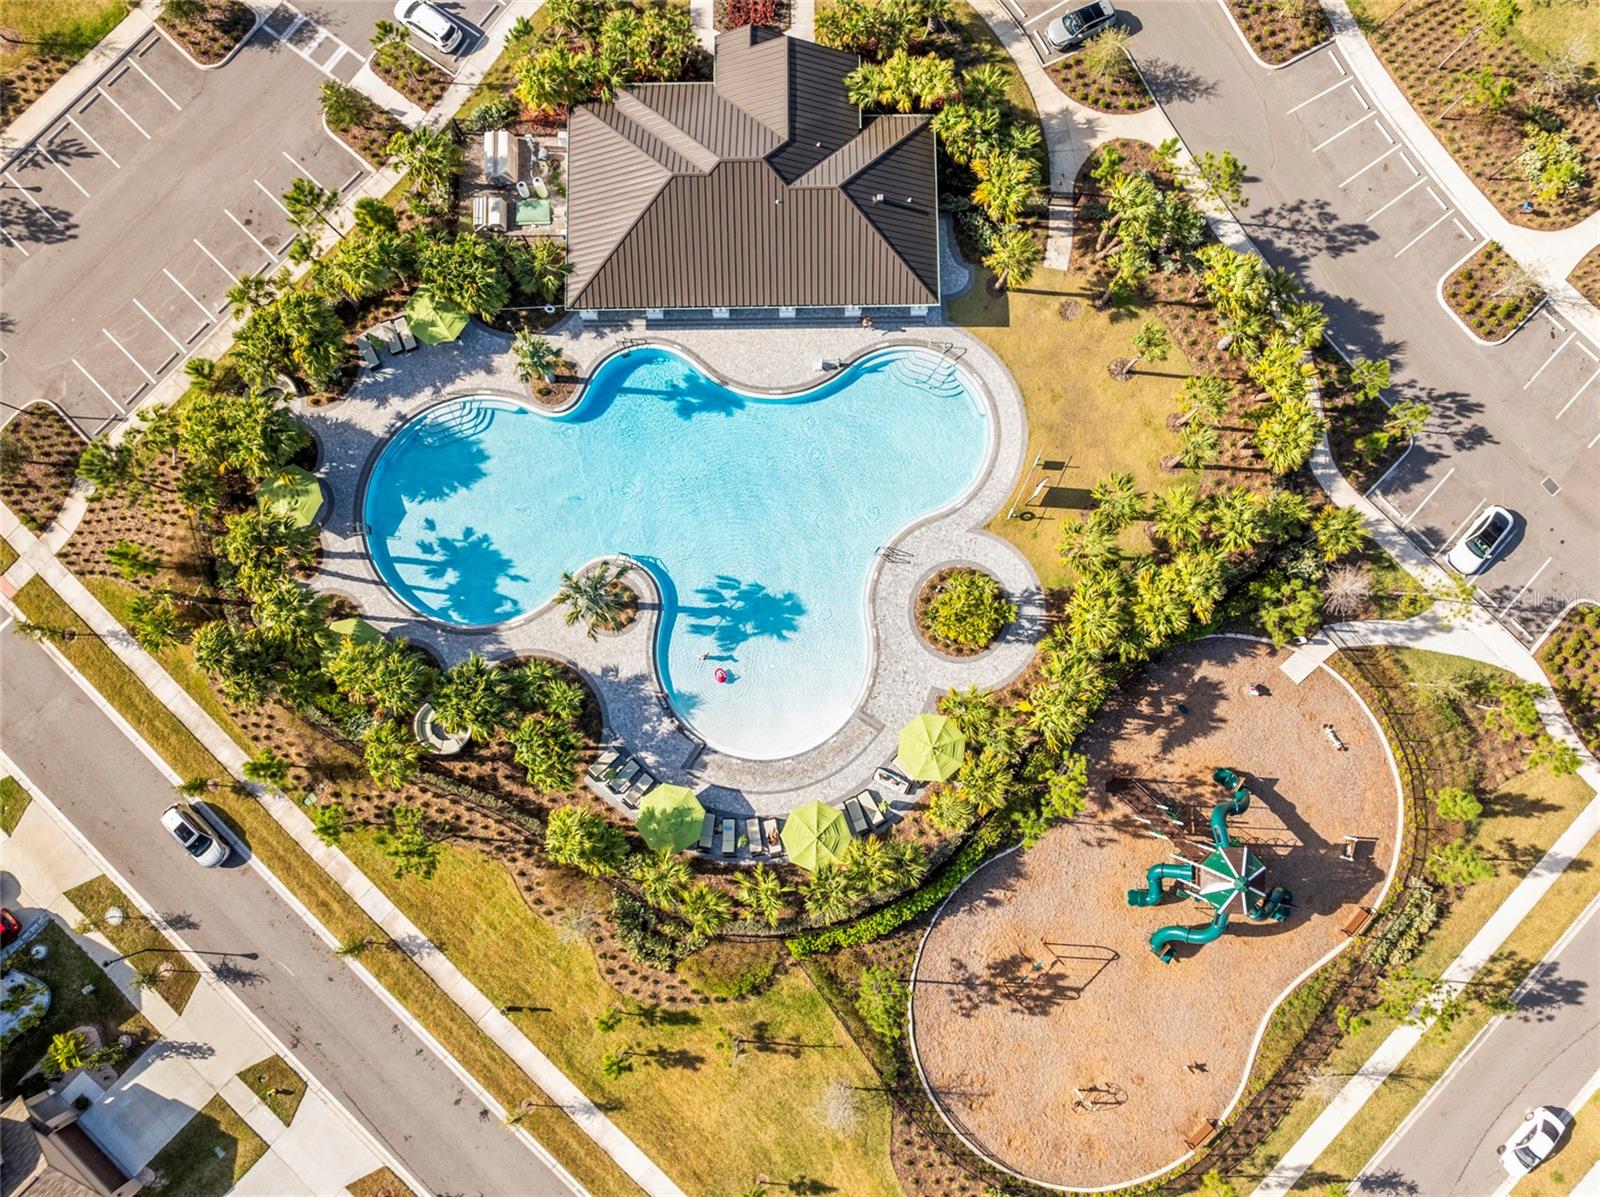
x: 1050, y: 1034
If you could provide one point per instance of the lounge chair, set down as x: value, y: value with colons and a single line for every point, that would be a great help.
x: 769, y: 830
x: 729, y: 842
x: 752, y: 835
x: 858, y: 820
x: 891, y: 780
x: 623, y: 777
x: 642, y: 784
x: 708, y: 831
x: 869, y: 804
x: 403, y: 327
x: 369, y: 355
x: 603, y: 764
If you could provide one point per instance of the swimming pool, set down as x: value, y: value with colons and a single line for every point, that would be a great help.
x: 759, y: 519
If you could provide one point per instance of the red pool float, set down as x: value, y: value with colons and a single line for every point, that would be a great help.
x: 721, y: 674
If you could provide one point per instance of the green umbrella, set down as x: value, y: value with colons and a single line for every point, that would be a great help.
x: 434, y: 320
x: 815, y: 835
x: 930, y: 748
x: 670, y: 817
x: 294, y: 493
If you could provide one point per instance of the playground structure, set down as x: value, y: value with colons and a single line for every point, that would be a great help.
x: 1228, y: 878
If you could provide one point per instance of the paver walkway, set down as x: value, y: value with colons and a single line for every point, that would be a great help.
x: 200, y: 1051
x: 400, y: 929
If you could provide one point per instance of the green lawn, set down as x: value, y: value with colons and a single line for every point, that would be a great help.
x: 137, y: 938
x: 68, y: 971
x: 1395, y: 593
x: 710, y: 1123
x: 208, y: 1156
x: 1077, y: 413
x: 8, y: 556
x: 13, y: 801
x: 53, y: 34
x: 279, y: 1086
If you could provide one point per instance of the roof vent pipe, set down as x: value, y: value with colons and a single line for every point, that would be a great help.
x: 878, y: 198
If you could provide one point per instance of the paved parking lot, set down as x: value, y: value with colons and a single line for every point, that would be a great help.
x: 124, y: 224
x: 1339, y: 198
x: 1033, y: 16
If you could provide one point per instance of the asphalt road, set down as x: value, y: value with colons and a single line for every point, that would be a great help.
x: 338, y: 1027
x: 1543, y: 1055
x: 1335, y: 196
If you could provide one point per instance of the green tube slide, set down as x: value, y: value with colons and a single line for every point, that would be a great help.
x: 1151, y: 894
x: 1161, y: 941
x: 1223, y: 811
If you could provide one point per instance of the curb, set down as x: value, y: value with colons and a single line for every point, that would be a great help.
x: 1438, y: 291
x: 1263, y: 63
x: 261, y: 19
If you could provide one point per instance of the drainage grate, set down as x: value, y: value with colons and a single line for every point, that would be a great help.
x: 1551, y: 486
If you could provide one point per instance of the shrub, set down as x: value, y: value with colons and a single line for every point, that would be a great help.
x: 650, y: 937
x: 1552, y: 164
x: 969, y: 609
x: 491, y: 114
x: 881, y: 1001
x: 729, y: 969
x: 1453, y: 802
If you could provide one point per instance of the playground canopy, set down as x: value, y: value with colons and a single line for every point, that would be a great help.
x: 930, y: 748
x: 815, y: 835
x: 434, y: 320
x: 295, y: 493
x: 670, y: 817
x: 1228, y: 880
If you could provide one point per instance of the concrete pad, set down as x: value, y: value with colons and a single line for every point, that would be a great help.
x: 323, y: 1149
x: 211, y: 1019
x: 272, y: 1177
x: 53, y: 863
x: 1305, y: 660
x: 142, y: 1111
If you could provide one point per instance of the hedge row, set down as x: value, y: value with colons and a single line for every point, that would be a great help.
x: 902, y: 910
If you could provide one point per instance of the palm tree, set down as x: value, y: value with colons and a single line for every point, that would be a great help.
x: 1006, y: 185
x: 1097, y: 613
x: 548, y: 749
x: 1179, y: 517
x: 976, y: 713
x: 391, y: 753
x: 1159, y: 607
x: 706, y: 909
x: 1203, y: 396
x: 1305, y: 323
x: 596, y: 595
x: 391, y: 45
x: 760, y: 892
x: 663, y: 879
x: 474, y: 698
x: 868, y: 865
x: 1339, y: 530
x: 308, y: 205
x: 386, y: 674
x: 343, y: 105
x: 1117, y: 500
x: 908, y: 864
x: 1151, y: 341
x: 584, y: 840
x: 1013, y: 255
x: 864, y: 85
x: 251, y: 293
x: 1088, y: 546
x: 266, y: 768
x: 1198, y: 576
x: 431, y: 158
x: 1199, y: 446
x: 536, y: 357
x: 1236, y: 522
x: 153, y: 620
x: 983, y: 86
x: 1287, y: 436
x: 1369, y: 379
x: 828, y: 894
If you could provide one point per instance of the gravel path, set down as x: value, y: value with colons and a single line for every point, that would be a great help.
x: 1036, y: 980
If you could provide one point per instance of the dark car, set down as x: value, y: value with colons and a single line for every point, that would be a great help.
x: 9, y: 928
x: 1071, y: 30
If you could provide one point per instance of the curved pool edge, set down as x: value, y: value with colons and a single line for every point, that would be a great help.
x: 355, y: 435
x: 1172, y: 1167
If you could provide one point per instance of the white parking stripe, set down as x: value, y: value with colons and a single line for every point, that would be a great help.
x: 122, y: 110
x: 1525, y: 586
x: 17, y: 244
x: 1456, y: 531
x: 128, y: 355
x: 1554, y: 323
x: 97, y: 386
x: 271, y: 258
x: 1366, y: 105
x: 1591, y: 444
x: 1422, y: 234
x: 94, y: 142
x: 1313, y: 99
x: 1338, y: 63
x: 1329, y: 141
x: 1462, y: 229
x: 203, y: 311
x: 1548, y: 360
x: 1384, y: 131
x: 217, y: 260
x: 63, y: 170
x: 271, y: 197
x: 154, y: 84
x: 42, y: 209
x: 1428, y: 496
x: 1380, y: 211
x: 158, y: 324
x: 1577, y: 393
x: 1368, y: 167
x: 300, y: 169
x: 337, y: 55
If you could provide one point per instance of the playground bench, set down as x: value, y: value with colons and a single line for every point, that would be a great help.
x: 1201, y: 1135
x: 1357, y: 922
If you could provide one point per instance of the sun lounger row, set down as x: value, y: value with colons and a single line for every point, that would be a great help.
x: 394, y: 335
x: 724, y: 835
x: 626, y: 777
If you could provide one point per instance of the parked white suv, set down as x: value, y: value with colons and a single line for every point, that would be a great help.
x: 1532, y: 1143
x: 195, y: 834
x: 428, y: 22
x: 1481, y: 542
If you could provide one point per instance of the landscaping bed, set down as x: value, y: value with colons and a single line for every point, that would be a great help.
x: 138, y: 939
x: 1116, y: 92
x: 1585, y: 276
x: 1277, y: 30
x: 69, y: 971
x: 412, y: 75
x: 983, y: 615
x: 41, y: 463
x: 1570, y: 657
x: 212, y: 33
x: 209, y: 1156
x: 53, y: 36
x: 1435, y: 51
x: 1492, y: 294
x: 735, y: 14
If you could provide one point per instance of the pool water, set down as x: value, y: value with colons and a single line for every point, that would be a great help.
x: 758, y: 518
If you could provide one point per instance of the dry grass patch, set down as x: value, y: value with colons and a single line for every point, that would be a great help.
x: 53, y: 35
x: 138, y: 939
x: 380, y: 1182
x: 279, y: 1086
x: 13, y: 801
x: 41, y: 453
x: 208, y: 1156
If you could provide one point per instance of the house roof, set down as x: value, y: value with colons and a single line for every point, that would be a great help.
x: 764, y: 188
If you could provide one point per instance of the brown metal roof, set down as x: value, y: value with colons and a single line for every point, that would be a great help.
x: 762, y: 189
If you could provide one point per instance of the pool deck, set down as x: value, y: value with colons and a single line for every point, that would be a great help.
x: 770, y: 356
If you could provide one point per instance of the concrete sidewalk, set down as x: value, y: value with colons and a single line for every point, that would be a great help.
x: 200, y: 1051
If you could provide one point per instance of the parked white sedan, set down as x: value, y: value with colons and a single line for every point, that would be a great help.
x: 195, y: 834
x: 1532, y: 1143
x: 429, y: 22
x: 1481, y: 541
